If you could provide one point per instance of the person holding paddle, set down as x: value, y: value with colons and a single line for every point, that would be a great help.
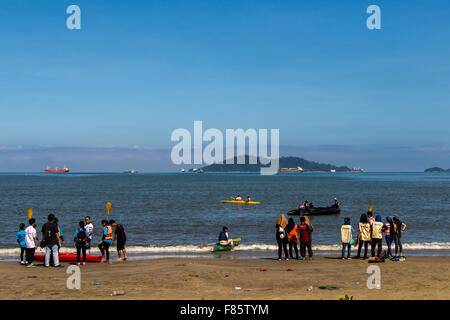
x: 224, y: 239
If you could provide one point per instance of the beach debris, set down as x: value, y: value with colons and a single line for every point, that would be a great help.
x: 118, y: 293
x: 262, y: 269
x: 237, y: 288
x: 310, y: 288
x: 290, y: 269
x: 32, y: 276
x: 329, y: 287
x: 365, y: 274
x: 96, y: 283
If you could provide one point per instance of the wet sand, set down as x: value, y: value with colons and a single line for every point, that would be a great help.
x: 182, y: 278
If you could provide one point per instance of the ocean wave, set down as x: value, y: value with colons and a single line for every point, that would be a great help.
x: 245, y: 247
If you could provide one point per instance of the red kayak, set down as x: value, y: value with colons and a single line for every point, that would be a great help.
x: 70, y: 257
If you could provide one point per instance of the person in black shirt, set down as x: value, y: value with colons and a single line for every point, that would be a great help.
x: 121, y: 237
x: 51, y: 238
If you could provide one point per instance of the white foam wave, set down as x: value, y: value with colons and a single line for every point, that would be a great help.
x: 251, y: 247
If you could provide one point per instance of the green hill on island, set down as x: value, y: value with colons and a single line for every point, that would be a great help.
x: 285, y: 162
x: 436, y: 169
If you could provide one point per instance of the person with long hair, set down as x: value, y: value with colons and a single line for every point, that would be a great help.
x: 281, y: 236
x: 292, y: 235
x: 388, y: 229
x: 364, y: 235
x: 399, y: 227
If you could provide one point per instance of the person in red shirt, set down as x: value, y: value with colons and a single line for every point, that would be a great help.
x: 305, y: 238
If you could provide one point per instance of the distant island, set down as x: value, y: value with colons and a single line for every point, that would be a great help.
x: 436, y: 169
x: 285, y: 162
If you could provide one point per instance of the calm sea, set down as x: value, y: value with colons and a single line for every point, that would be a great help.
x: 181, y: 212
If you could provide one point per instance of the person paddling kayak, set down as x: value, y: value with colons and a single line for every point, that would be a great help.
x: 238, y: 198
x: 248, y: 199
x: 224, y: 238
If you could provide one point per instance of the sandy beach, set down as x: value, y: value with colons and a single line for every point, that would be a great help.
x: 181, y: 278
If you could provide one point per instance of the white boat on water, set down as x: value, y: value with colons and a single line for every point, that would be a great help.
x: 131, y: 171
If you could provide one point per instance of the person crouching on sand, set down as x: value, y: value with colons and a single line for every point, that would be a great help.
x: 292, y: 235
x: 224, y: 239
x: 121, y: 237
x: 305, y: 238
x: 20, y: 237
x: 346, y: 238
x: 106, y: 241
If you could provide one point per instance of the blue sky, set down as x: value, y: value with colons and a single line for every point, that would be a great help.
x: 137, y: 70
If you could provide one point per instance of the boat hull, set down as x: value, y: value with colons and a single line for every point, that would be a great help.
x: 315, y: 212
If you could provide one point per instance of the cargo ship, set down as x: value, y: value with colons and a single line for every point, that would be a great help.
x: 298, y: 169
x: 57, y: 170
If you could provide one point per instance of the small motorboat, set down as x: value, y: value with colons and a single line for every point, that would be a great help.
x: 315, y: 211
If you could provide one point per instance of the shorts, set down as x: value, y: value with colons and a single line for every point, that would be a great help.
x: 121, y: 244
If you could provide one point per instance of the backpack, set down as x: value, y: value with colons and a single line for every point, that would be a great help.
x: 81, y: 236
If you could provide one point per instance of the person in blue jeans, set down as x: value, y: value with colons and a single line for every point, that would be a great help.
x: 51, y: 235
x: 20, y: 237
x: 346, y: 238
x: 388, y: 229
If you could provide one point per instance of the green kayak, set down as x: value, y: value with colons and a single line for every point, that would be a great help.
x: 218, y: 247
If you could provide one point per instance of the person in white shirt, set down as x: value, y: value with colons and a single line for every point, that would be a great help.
x: 89, y: 230
x: 30, y: 242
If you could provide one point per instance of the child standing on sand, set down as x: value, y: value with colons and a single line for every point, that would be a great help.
x: 30, y: 242
x: 20, y: 237
x: 346, y: 238
x: 305, y: 238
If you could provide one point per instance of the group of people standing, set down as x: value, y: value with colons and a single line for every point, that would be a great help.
x: 370, y: 231
x: 287, y: 232
x: 53, y: 240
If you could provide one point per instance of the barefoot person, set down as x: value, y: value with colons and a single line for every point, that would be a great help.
x: 121, y: 237
x: 106, y: 241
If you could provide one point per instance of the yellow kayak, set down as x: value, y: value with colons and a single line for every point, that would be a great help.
x: 240, y: 202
